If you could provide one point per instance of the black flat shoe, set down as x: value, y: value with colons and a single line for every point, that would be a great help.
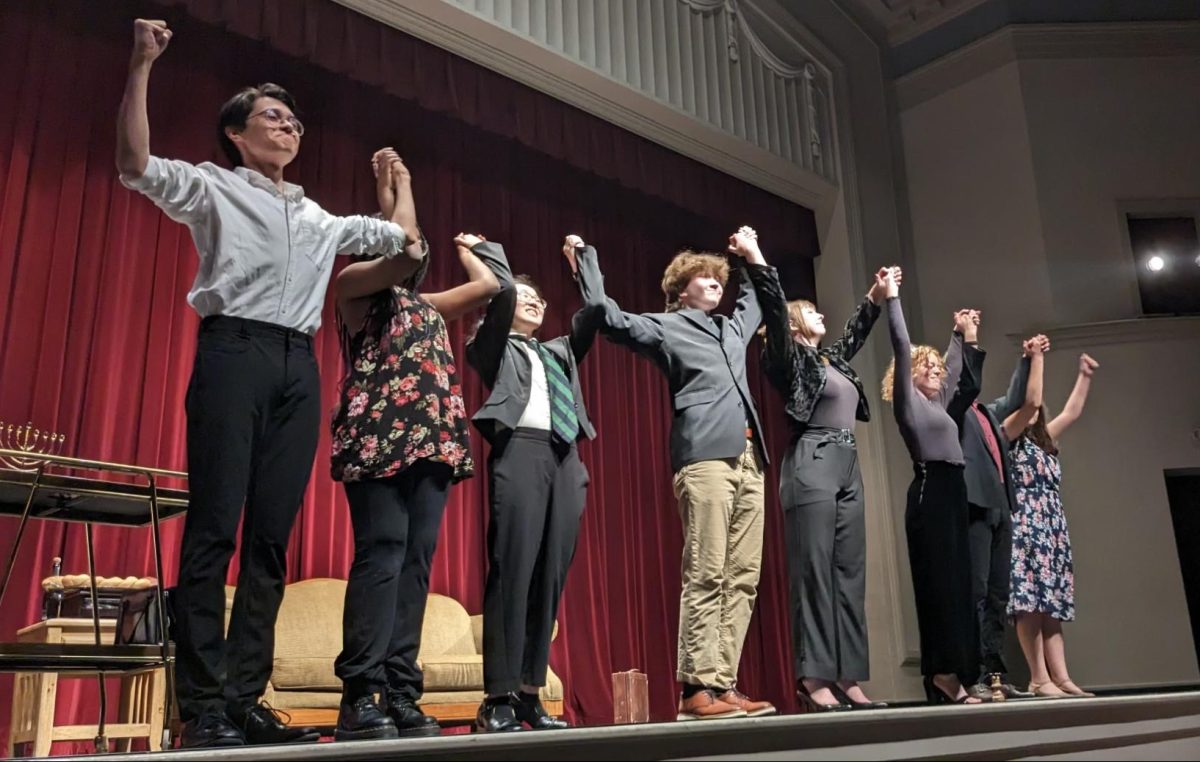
x: 810, y: 705
x: 844, y: 697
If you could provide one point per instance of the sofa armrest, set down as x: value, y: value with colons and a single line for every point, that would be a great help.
x: 477, y: 632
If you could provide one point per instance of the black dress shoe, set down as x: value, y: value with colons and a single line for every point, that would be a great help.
x: 409, y: 718
x: 210, y: 731
x: 362, y: 720
x: 497, y: 715
x: 844, y: 698
x: 262, y: 725
x: 530, y: 711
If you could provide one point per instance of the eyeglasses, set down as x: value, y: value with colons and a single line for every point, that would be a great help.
x: 530, y: 297
x: 275, y: 118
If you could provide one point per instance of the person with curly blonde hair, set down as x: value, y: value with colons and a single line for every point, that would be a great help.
x: 929, y: 402
x: 718, y: 454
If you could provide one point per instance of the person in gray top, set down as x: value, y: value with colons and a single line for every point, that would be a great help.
x: 821, y: 489
x: 929, y: 402
x: 717, y: 453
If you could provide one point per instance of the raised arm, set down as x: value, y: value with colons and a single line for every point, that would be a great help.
x: 902, y: 385
x: 966, y: 325
x: 585, y: 268
x: 177, y: 187
x: 150, y: 39
x: 1017, y: 392
x: 1075, y: 403
x: 859, y: 326
x: 397, y: 232
x: 360, y: 280
x: 486, y: 348
x: 779, y: 348
x: 1032, y: 367
x: 481, y: 287
x: 747, y: 314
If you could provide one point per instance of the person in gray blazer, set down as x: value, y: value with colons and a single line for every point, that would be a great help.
x: 537, y: 483
x: 717, y: 454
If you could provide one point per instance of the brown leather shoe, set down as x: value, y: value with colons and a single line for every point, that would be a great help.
x: 751, y: 707
x: 706, y: 706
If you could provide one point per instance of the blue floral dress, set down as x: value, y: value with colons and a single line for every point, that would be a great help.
x: 1043, y: 575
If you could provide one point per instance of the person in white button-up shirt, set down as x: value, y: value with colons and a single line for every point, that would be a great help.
x: 253, y: 404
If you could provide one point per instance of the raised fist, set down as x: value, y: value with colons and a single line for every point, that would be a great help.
x: 150, y: 38
x: 1087, y: 366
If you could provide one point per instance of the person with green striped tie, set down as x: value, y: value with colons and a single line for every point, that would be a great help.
x: 537, y: 483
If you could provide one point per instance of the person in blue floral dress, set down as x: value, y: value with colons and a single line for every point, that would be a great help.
x: 1042, y: 589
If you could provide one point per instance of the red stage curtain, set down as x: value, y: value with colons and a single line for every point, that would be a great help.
x: 97, y: 339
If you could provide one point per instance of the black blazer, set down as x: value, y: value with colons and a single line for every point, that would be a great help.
x: 502, y: 362
x: 797, y: 371
x: 705, y: 364
x: 984, y: 487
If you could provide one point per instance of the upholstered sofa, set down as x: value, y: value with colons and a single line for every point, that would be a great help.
x: 308, y: 637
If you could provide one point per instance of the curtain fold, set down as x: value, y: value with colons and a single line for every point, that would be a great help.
x: 96, y: 338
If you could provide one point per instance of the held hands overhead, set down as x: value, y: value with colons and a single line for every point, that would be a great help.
x: 886, y: 284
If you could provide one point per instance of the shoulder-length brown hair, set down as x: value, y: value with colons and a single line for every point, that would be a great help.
x: 1037, y: 433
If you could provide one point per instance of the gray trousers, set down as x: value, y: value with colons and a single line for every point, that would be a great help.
x: 821, y: 492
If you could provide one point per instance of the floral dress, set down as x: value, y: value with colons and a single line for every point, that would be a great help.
x: 401, y: 401
x: 1043, y: 577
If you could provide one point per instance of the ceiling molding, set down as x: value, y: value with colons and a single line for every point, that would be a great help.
x: 446, y: 24
x: 894, y: 22
x: 1138, y: 330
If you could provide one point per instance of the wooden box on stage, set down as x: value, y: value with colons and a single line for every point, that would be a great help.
x: 631, y: 697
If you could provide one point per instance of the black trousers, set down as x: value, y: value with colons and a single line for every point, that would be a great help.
x: 396, y: 523
x: 935, y: 522
x: 253, y: 408
x: 827, y: 556
x: 991, y: 567
x: 538, y: 490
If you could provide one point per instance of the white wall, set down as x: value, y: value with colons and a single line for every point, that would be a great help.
x: 1014, y: 176
x: 1103, y: 130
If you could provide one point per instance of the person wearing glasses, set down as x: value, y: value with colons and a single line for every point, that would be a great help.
x: 537, y: 484
x: 253, y: 402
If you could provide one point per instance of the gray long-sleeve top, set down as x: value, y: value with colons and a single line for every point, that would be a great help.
x: 928, y: 426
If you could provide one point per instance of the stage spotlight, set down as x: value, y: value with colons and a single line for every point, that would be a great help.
x: 1155, y: 263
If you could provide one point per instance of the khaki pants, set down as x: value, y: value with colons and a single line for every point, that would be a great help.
x: 721, y: 504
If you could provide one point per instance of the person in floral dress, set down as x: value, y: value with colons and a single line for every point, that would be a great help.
x: 400, y: 439
x: 1042, y: 589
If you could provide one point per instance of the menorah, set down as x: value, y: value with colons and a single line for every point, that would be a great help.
x: 27, y: 439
